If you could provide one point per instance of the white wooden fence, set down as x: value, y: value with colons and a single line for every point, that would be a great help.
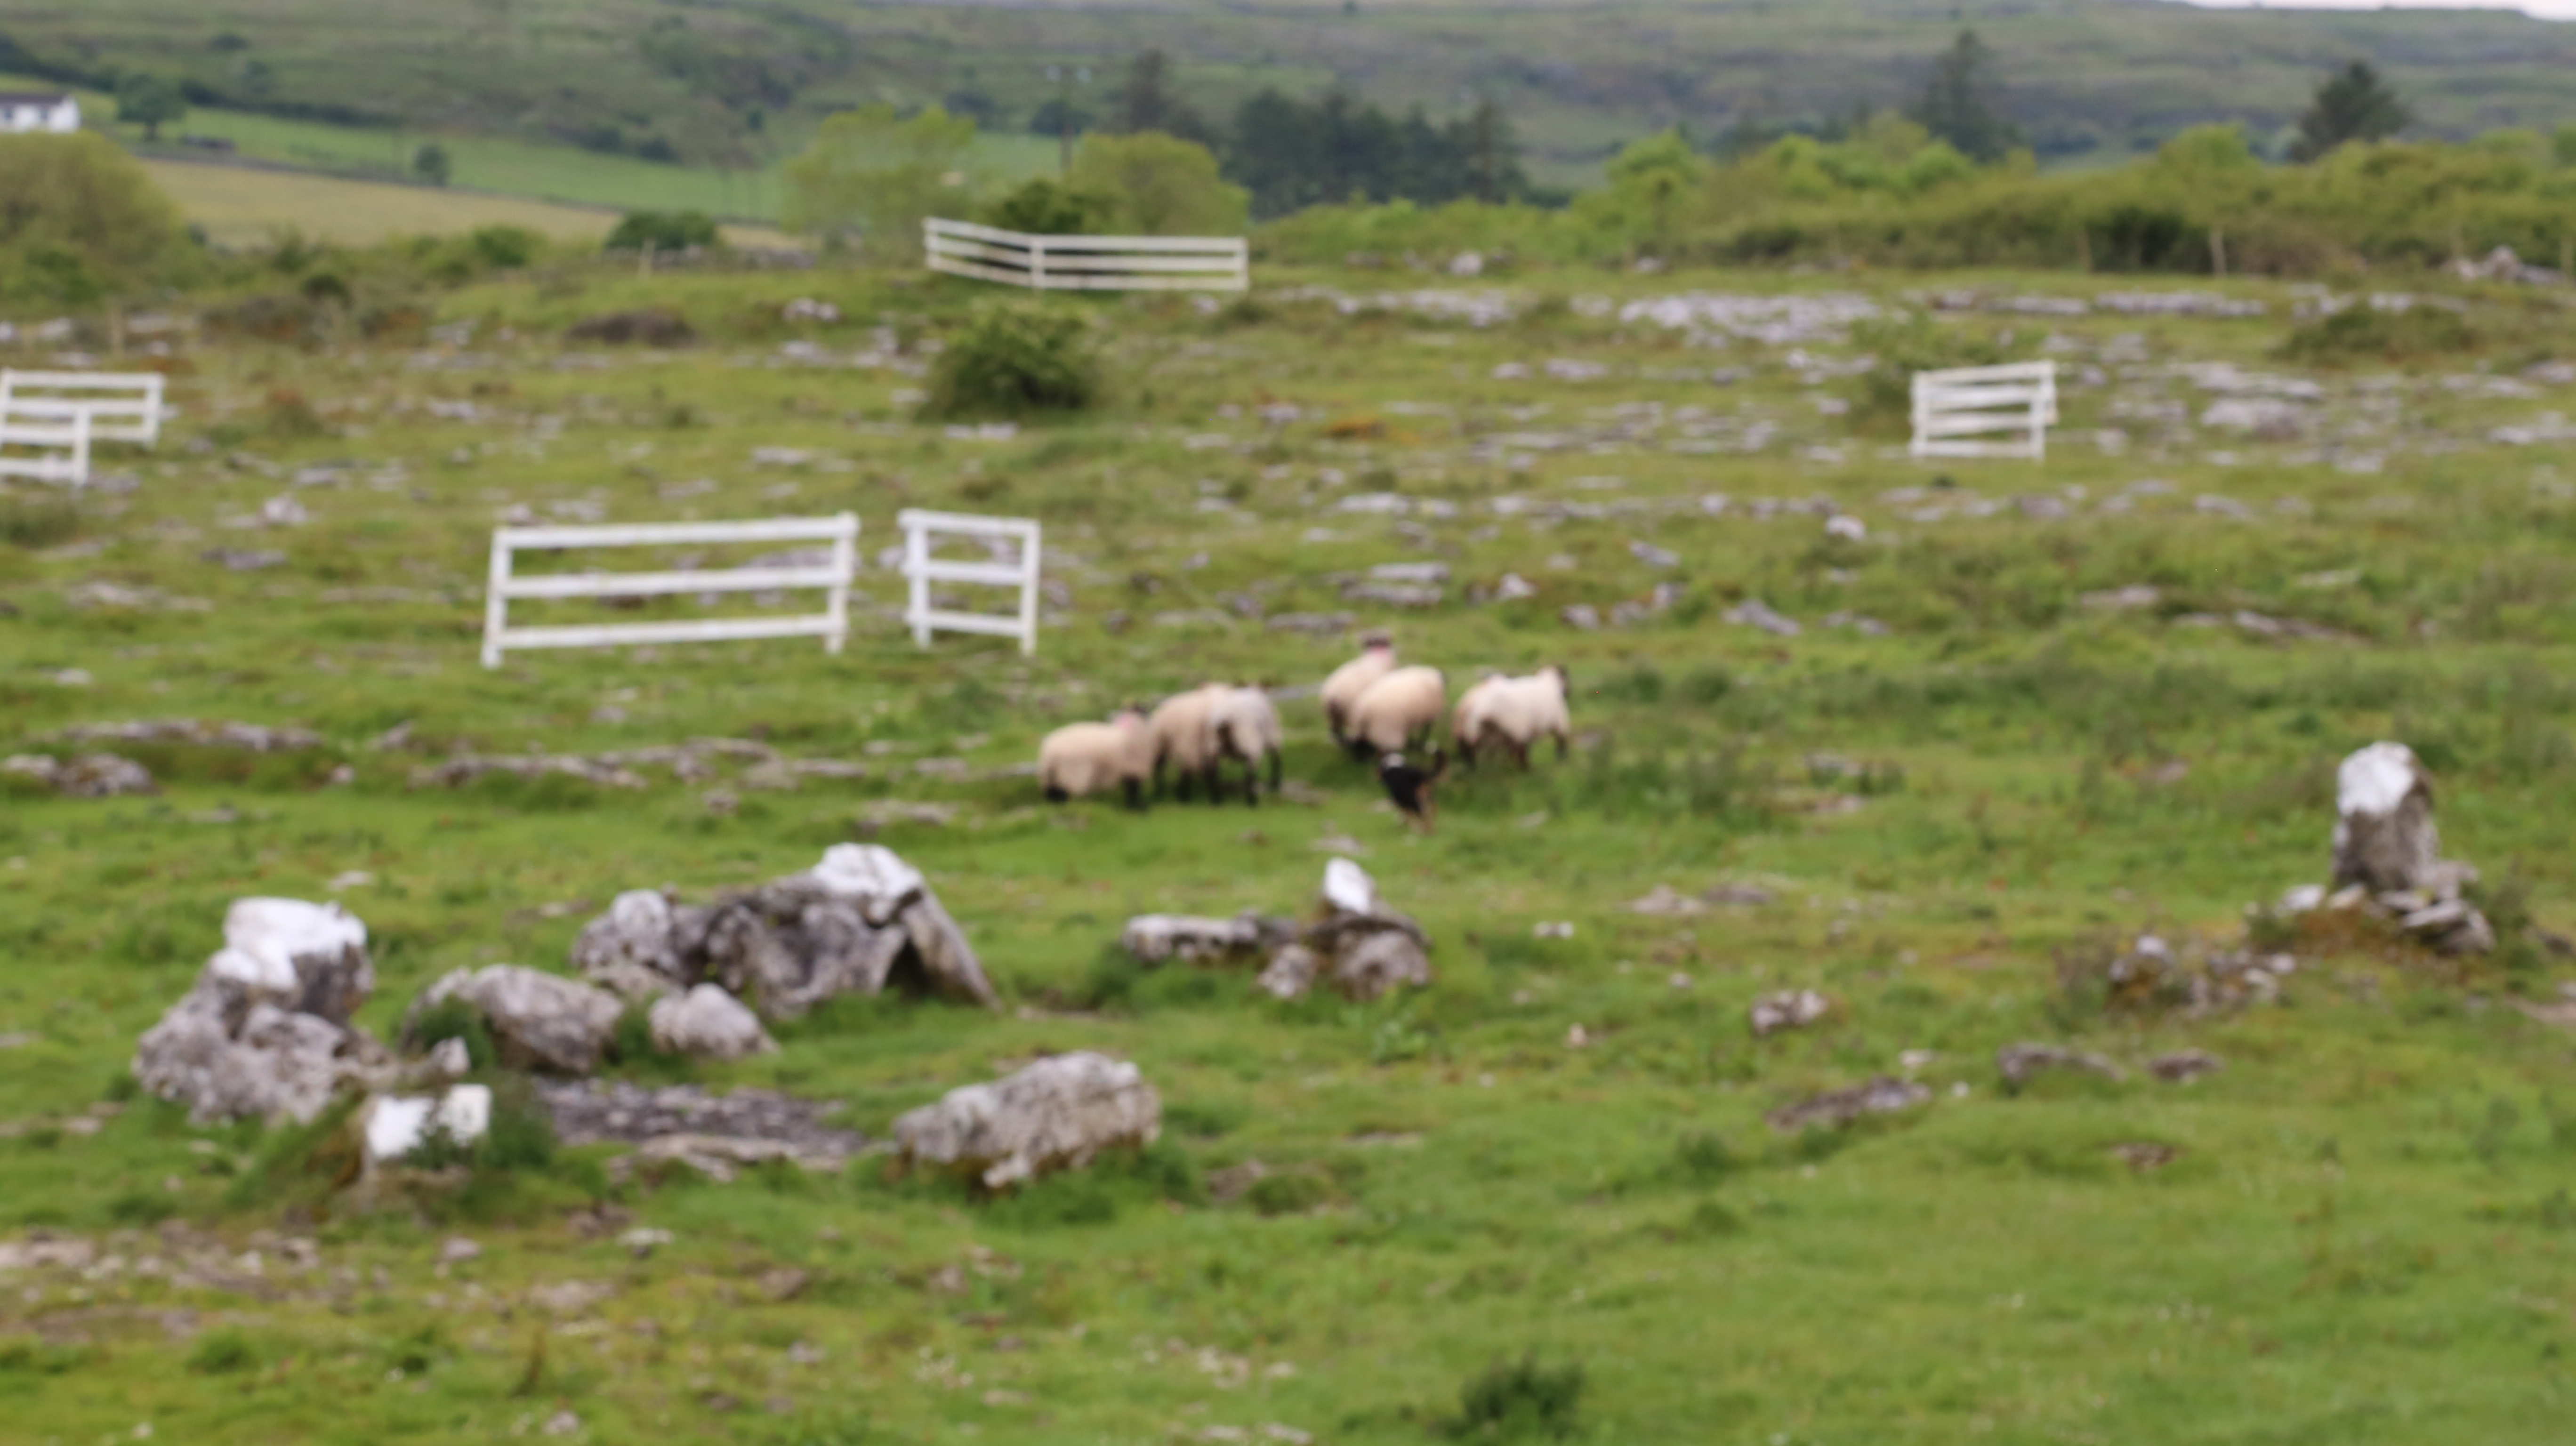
x: 121, y: 406
x: 832, y: 624
x: 1087, y: 263
x: 920, y: 570
x: 1954, y: 410
x: 45, y: 451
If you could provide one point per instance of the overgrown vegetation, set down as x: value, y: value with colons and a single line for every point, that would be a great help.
x: 1016, y: 360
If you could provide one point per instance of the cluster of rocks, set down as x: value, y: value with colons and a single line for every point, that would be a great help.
x: 90, y: 775
x: 2387, y: 857
x: 859, y: 922
x: 2153, y: 974
x: 1353, y: 942
x: 265, y: 1032
x: 695, y: 761
x: 248, y: 737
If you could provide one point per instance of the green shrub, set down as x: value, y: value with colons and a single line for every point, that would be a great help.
x: 222, y: 1353
x: 1046, y: 207
x: 1016, y: 360
x: 664, y: 231
x: 1286, y: 1194
x: 1704, y: 1156
x: 1521, y: 1400
x: 2366, y: 333
x: 453, y: 1018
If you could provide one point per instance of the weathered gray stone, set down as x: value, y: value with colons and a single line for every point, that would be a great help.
x: 1368, y: 966
x: 2384, y: 838
x: 1057, y: 1114
x: 1162, y: 938
x: 539, y: 1020
x: 1788, y: 1009
x: 708, y: 1023
x: 1290, y: 973
x: 1879, y: 1096
x: 2021, y: 1063
x: 266, y: 1063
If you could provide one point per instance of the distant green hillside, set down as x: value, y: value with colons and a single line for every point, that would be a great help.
x: 734, y: 84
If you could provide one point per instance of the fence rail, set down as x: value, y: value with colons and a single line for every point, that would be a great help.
x: 121, y: 406
x: 1953, y: 409
x: 832, y: 624
x: 45, y: 451
x: 920, y: 570
x: 1087, y: 263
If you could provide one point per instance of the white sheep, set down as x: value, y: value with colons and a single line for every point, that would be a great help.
x: 1397, y: 708
x: 1080, y: 759
x: 1351, y: 679
x: 1467, y: 721
x: 1243, y: 725
x: 1517, y: 712
x: 1183, y: 740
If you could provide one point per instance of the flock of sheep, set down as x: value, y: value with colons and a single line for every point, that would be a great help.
x: 1375, y: 707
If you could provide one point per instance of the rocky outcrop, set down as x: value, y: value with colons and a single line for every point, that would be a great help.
x: 860, y: 922
x: 1163, y: 938
x: 715, y: 1135
x: 1057, y: 1114
x: 265, y: 1032
x: 707, y: 1023
x: 1836, y: 1108
x: 2384, y: 838
x: 92, y: 775
x: 2021, y: 1063
x: 1788, y: 1009
x: 539, y: 1021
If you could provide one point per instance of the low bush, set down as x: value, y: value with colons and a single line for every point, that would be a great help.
x: 1016, y: 360
x: 2371, y: 333
x: 1521, y: 1401
x: 38, y: 524
x: 664, y: 231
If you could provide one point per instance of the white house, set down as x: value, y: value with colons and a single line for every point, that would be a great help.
x: 25, y: 111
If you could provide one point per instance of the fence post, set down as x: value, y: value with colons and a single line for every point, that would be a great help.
x: 1037, y: 263
x: 845, y: 560
x: 916, y: 551
x: 496, y: 599
x: 1030, y: 551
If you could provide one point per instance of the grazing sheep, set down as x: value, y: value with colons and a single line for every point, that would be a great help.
x: 1245, y: 726
x: 1083, y: 758
x: 1517, y: 712
x: 1397, y: 708
x: 1351, y: 679
x: 1182, y: 738
x: 1467, y: 723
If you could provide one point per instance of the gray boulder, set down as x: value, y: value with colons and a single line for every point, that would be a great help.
x: 539, y: 1020
x: 1162, y: 938
x: 1057, y: 1114
x: 264, y: 1033
x: 1789, y: 1009
x: 2022, y: 1063
x: 1369, y: 965
x: 2384, y: 838
x: 708, y: 1023
x: 1290, y: 973
x: 858, y: 922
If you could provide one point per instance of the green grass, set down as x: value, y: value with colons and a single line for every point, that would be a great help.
x: 2356, y: 1243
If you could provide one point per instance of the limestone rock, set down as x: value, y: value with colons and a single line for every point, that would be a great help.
x: 1371, y: 964
x: 2021, y: 1063
x: 264, y: 1033
x: 539, y: 1020
x: 2184, y: 1065
x: 1057, y: 1114
x: 2384, y: 838
x: 710, y: 1133
x: 92, y: 775
x: 1880, y: 1096
x: 858, y: 922
x: 708, y: 1023
x: 1788, y: 1009
x: 393, y: 1126
x: 1290, y: 973
x: 1161, y: 938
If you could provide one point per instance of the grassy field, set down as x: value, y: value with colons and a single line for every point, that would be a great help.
x: 2360, y: 1234
x: 728, y: 84
x: 240, y: 206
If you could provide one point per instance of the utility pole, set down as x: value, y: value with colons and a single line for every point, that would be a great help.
x: 1064, y: 113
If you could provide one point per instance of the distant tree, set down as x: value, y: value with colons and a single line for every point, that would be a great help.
x: 431, y: 164
x: 2353, y: 104
x: 82, y: 220
x: 1962, y: 103
x: 1491, y: 154
x: 663, y: 231
x: 150, y: 102
x: 870, y: 177
x: 1146, y: 102
x: 1290, y: 153
x: 1055, y: 115
x: 1161, y: 185
x: 1043, y: 206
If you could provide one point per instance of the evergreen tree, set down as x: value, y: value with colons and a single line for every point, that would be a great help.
x: 1962, y: 103
x: 1146, y: 102
x: 2353, y: 104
